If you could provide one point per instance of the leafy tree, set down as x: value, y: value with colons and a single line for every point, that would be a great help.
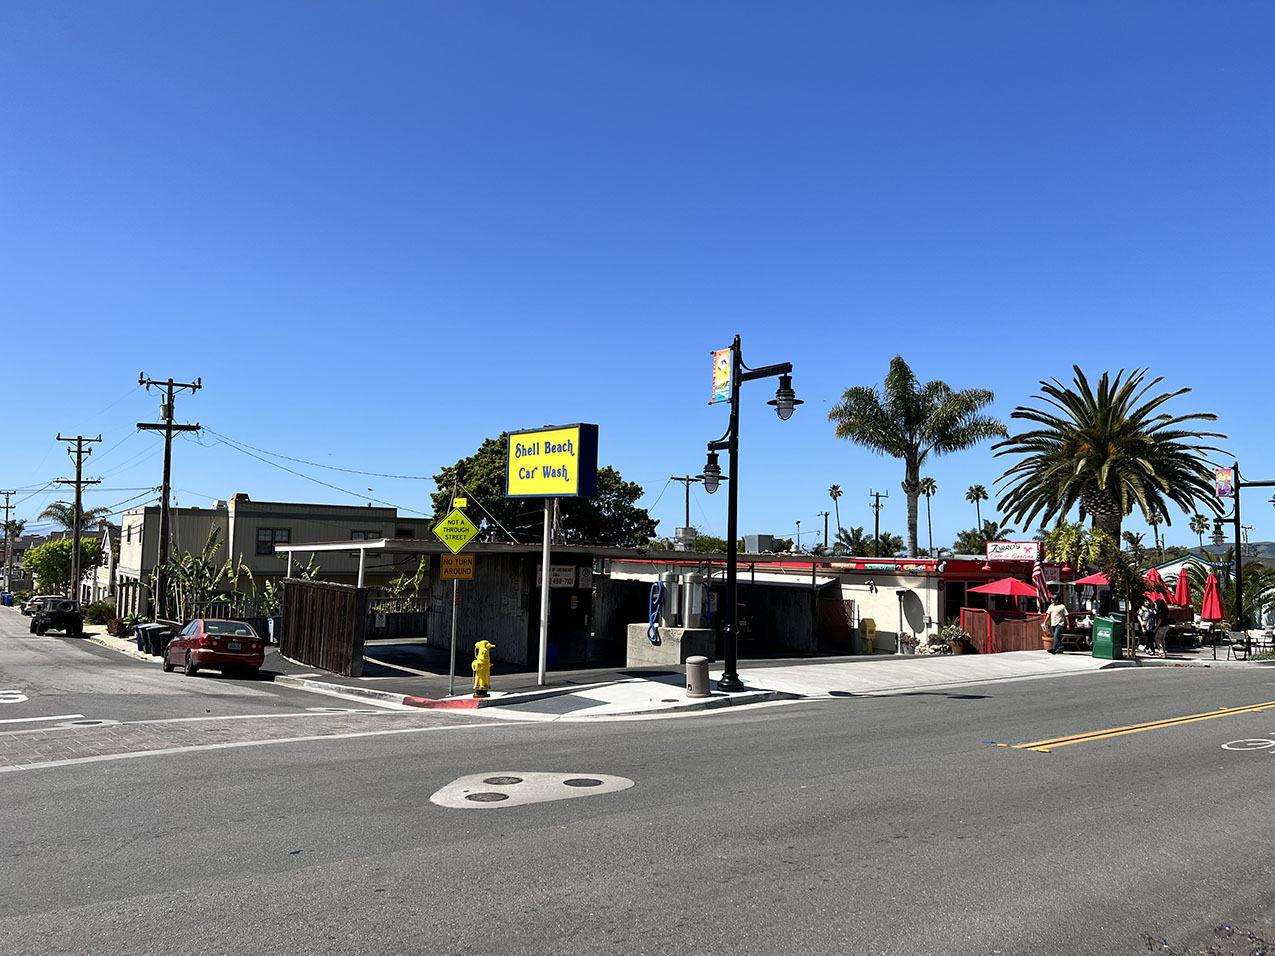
x: 1134, y: 543
x: 63, y: 514
x: 1107, y: 451
x: 975, y: 494
x: 911, y: 420
x: 929, y: 488
x: 1199, y: 525
x: 1094, y: 549
x: 835, y: 494
x: 611, y: 518
x: 51, y: 562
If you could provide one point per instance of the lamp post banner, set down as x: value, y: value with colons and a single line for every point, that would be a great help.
x: 1225, y: 486
x: 721, y: 376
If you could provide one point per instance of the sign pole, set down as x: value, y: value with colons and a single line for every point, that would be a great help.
x: 544, y: 593
x: 451, y: 676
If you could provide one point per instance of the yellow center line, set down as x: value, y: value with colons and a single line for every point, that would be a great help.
x: 1044, y: 746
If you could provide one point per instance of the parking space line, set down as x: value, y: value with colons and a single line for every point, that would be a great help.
x: 1045, y: 746
x: 31, y: 720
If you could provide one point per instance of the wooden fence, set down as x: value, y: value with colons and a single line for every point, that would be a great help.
x: 324, y: 625
x: 996, y: 631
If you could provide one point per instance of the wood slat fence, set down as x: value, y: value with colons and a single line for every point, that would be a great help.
x: 324, y: 625
x: 996, y: 631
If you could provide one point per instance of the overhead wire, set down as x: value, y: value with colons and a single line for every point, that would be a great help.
x: 351, y: 471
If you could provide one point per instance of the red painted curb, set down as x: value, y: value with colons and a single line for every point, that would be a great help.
x: 455, y: 703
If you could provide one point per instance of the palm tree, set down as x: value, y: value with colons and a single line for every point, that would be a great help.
x: 976, y: 493
x: 1107, y: 452
x: 1199, y: 525
x: 63, y: 513
x: 1134, y: 541
x: 834, y: 493
x: 974, y: 541
x: 911, y: 420
x: 1259, y: 586
x: 854, y: 541
x: 929, y: 488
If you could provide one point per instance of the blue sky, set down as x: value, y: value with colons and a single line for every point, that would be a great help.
x: 382, y: 232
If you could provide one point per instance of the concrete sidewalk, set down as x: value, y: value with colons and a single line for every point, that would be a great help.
x: 417, y: 676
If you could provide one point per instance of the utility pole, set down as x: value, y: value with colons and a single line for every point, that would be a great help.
x: 79, y: 453
x: 8, y: 545
x: 798, y: 536
x: 876, y: 497
x: 169, y: 388
x: 825, y: 527
x: 687, y: 481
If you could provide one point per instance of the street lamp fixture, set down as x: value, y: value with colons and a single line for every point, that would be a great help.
x: 712, y: 476
x: 784, y: 401
x: 1219, y: 536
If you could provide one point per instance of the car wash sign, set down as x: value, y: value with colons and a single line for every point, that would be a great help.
x: 558, y: 462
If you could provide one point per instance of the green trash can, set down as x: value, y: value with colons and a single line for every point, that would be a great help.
x: 1108, y: 637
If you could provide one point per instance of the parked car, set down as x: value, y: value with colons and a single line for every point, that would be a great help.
x: 58, y: 614
x: 30, y: 604
x: 207, y: 642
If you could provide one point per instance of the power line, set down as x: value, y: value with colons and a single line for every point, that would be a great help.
x: 351, y: 471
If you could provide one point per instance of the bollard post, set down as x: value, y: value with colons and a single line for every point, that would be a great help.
x: 697, y: 677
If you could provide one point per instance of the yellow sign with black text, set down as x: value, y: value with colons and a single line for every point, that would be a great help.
x: 455, y: 531
x: 457, y: 567
x: 560, y: 462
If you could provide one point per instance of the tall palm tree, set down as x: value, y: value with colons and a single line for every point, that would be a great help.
x: 834, y: 493
x: 63, y: 513
x: 976, y: 493
x: 929, y: 488
x: 1199, y: 525
x: 1107, y: 451
x: 911, y: 420
x: 854, y: 541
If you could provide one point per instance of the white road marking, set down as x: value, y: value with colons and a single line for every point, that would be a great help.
x: 12, y: 697
x: 31, y: 720
x: 103, y: 758
x: 397, y: 667
x: 483, y: 791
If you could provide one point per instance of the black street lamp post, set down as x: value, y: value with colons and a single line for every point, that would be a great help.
x: 784, y: 401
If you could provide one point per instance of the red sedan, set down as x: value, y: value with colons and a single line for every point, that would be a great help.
x: 204, y: 642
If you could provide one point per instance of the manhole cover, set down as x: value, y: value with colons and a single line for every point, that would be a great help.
x: 502, y: 781
x: 486, y: 797
x: 582, y: 782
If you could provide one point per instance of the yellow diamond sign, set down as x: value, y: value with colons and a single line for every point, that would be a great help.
x: 455, y: 530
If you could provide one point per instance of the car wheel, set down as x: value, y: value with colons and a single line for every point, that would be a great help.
x: 190, y: 669
x: 33, y: 625
x: 41, y: 628
x: 76, y: 630
x: 165, y: 663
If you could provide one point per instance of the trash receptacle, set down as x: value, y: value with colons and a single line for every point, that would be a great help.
x: 7, y: 599
x: 138, y: 634
x: 1108, y: 637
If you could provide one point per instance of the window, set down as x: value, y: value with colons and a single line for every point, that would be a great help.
x: 365, y: 535
x: 267, y: 538
x: 405, y: 532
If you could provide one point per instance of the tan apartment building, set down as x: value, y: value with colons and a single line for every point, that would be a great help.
x: 249, y: 531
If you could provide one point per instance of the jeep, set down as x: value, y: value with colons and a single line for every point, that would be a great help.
x: 58, y: 614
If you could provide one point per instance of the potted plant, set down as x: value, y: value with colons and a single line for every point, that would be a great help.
x: 908, y: 643
x: 958, y: 639
x: 933, y: 644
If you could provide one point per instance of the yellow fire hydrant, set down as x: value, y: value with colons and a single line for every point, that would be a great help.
x: 482, y: 668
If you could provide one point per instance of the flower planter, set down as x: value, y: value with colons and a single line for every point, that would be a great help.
x: 961, y: 647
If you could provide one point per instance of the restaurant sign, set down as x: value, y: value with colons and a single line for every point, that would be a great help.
x: 1013, y: 550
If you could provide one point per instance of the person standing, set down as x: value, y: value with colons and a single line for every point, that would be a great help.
x: 1056, y: 616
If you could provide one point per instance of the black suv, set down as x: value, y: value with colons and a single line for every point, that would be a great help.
x: 58, y: 614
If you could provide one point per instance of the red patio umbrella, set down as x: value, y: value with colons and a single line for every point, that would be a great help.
x: 1098, y: 580
x: 1212, y: 609
x: 1010, y: 586
x: 1182, y: 593
x: 1156, y: 582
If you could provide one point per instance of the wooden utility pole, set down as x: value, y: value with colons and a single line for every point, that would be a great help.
x: 77, y: 517
x: 170, y: 388
x: 8, y: 545
x: 825, y: 526
x: 876, y: 510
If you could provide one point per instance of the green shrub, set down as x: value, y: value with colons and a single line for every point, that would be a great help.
x: 99, y: 612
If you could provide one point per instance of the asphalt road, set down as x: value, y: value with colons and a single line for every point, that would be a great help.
x: 860, y: 825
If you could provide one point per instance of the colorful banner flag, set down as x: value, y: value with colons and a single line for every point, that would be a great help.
x: 721, y: 376
x: 1224, y: 486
